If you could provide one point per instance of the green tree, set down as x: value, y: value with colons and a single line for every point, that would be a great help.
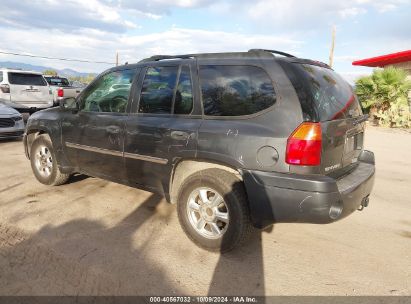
x: 383, y: 88
x: 384, y: 94
x: 50, y: 72
x: 83, y: 79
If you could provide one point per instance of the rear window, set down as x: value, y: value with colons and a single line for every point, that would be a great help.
x: 323, y: 94
x: 61, y: 82
x: 27, y: 79
x: 235, y: 90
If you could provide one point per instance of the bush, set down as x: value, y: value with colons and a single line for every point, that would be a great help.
x: 384, y: 94
x: 397, y: 116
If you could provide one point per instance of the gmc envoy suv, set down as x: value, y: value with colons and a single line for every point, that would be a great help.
x: 236, y: 140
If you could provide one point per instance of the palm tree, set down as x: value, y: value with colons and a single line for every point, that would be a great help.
x: 382, y: 89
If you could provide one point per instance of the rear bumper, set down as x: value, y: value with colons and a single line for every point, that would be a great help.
x: 276, y: 197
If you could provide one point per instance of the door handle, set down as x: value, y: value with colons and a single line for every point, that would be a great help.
x: 113, y: 130
x: 180, y: 135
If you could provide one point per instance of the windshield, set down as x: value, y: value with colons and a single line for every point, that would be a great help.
x: 27, y: 79
x: 56, y: 81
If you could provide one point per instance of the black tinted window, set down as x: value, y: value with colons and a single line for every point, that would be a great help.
x: 184, y: 94
x: 323, y: 94
x: 235, y: 90
x: 158, y: 90
x: 27, y: 79
x: 61, y: 82
x: 109, y: 93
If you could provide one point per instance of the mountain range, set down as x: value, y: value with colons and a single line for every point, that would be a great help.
x: 39, y: 68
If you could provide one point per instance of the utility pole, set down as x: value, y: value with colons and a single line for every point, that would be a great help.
x: 116, y: 58
x: 332, y: 48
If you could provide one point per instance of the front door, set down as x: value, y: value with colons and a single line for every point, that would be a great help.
x: 94, y: 137
x: 163, y: 127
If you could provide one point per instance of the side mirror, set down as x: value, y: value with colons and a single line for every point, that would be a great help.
x: 69, y: 103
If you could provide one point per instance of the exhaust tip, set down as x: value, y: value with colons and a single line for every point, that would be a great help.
x: 336, y: 210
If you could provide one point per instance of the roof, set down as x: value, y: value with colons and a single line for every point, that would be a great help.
x: 250, y: 54
x: 381, y: 61
x: 19, y: 71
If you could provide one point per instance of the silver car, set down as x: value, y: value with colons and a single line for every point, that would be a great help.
x: 11, y: 122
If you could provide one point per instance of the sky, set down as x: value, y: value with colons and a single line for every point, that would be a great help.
x: 97, y: 29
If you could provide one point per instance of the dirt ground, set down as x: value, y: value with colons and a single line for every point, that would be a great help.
x: 94, y: 237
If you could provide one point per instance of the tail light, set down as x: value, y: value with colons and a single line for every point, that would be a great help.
x: 60, y: 93
x: 304, y: 145
x: 5, y: 88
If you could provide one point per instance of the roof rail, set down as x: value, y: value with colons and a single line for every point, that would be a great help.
x: 164, y: 57
x: 273, y: 51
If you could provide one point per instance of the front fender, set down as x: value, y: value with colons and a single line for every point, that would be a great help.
x: 47, y: 122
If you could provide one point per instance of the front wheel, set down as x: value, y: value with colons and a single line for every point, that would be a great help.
x: 44, y: 164
x: 213, y: 211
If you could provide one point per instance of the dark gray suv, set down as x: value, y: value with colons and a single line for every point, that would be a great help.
x: 235, y: 139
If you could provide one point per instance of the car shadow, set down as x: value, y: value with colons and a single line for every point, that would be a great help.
x: 11, y: 139
x: 77, y: 177
x: 85, y: 257
x: 82, y: 257
x: 241, y: 271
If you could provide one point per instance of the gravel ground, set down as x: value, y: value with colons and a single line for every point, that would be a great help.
x: 93, y: 237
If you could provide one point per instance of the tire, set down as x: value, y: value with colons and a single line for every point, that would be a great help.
x: 44, y: 164
x: 231, y: 217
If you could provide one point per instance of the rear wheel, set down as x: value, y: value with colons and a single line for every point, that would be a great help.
x: 213, y: 210
x: 44, y: 164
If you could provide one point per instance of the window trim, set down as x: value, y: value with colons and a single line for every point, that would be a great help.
x: 81, y: 100
x: 238, y: 117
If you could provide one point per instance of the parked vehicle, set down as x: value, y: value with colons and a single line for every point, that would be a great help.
x: 61, y: 88
x: 24, y: 90
x: 235, y: 139
x: 11, y: 123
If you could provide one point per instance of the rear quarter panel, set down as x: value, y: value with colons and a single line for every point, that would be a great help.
x: 243, y: 142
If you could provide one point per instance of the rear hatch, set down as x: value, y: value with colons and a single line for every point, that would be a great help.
x: 27, y: 88
x: 327, y: 98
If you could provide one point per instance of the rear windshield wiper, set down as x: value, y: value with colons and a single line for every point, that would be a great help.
x: 361, y: 119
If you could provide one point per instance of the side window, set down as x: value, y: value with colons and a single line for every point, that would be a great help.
x: 109, y: 93
x: 158, y: 90
x: 235, y: 90
x: 183, y: 103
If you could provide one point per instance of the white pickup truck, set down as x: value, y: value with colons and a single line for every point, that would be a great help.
x: 61, y: 88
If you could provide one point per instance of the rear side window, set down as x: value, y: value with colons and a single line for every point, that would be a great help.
x: 323, y: 94
x: 158, y: 90
x: 26, y: 79
x: 235, y: 90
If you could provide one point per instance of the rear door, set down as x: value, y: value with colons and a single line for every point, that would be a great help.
x: 26, y: 88
x: 164, y: 123
x: 327, y: 98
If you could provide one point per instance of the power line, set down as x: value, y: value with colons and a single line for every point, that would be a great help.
x: 56, y: 58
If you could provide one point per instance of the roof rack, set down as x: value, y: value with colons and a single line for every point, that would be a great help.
x: 164, y: 57
x: 273, y: 51
x: 190, y: 56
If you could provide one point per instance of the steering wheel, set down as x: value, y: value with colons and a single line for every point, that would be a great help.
x: 94, y: 106
x: 118, y: 104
